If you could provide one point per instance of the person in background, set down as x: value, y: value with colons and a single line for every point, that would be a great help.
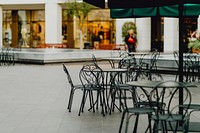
x: 130, y: 41
x: 101, y: 35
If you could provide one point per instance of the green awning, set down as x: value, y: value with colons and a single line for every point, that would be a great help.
x: 133, y: 12
x: 172, y: 11
x: 166, y: 11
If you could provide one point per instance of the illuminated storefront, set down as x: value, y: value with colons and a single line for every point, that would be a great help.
x: 26, y: 28
x: 38, y: 23
x: 23, y: 28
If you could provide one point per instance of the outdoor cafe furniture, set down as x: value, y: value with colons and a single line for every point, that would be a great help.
x: 108, y: 74
x: 146, y: 67
x: 6, y: 56
x: 92, y: 79
x: 113, y: 61
x: 140, y: 104
x: 170, y: 92
x: 191, y: 66
x: 73, y: 87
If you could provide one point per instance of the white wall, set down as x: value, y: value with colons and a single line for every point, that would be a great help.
x: 143, y: 34
x: 1, y: 27
x: 171, y: 36
x: 24, y: 1
x: 53, y: 23
x: 198, y: 24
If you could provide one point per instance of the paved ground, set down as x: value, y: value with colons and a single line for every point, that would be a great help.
x: 33, y: 99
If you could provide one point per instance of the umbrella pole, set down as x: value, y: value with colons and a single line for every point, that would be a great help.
x: 181, y: 23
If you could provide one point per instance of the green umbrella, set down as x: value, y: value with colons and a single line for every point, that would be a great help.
x: 165, y: 11
x: 133, y: 12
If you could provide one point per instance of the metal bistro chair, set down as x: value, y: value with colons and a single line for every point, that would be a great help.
x: 6, y: 56
x: 137, y: 105
x: 73, y: 87
x: 92, y: 79
x: 147, y: 69
x: 190, y: 66
x: 170, y: 117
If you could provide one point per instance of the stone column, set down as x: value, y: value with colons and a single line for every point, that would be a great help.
x: 53, y: 23
x: 1, y: 27
x: 143, y: 34
x: 198, y: 24
x: 171, y: 36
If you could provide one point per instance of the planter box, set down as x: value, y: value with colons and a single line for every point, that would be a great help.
x: 195, y: 50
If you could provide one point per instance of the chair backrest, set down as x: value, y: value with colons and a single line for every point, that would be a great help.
x: 127, y: 62
x: 94, y: 59
x: 176, y: 57
x: 91, y: 76
x: 154, y: 58
x: 169, y: 95
x: 68, y: 76
x: 117, y: 80
x: 123, y: 54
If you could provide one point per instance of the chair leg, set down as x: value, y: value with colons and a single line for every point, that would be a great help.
x: 82, y: 102
x: 136, y: 124
x: 101, y: 103
x: 127, y: 122
x: 122, y: 120
x: 70, y: 100
x: 91, y: 99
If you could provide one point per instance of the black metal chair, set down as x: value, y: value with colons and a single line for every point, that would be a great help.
x: 92, y: 79
x: 191, y: 66
x: 170, y: 117
x: 147, y: 70
x: 132, y: 103
x: 73, y: 87
x: 94, y: 60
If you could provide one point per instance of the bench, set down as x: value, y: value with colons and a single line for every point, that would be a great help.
x: 111, y: 46
x: 52, y: 45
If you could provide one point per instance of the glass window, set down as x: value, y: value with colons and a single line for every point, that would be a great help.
x: 23, y: 28
x: 7, y: 31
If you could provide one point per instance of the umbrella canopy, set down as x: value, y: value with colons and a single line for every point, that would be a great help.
x: 133, y: 12
x: 137, y: 3
x: 165, y: 11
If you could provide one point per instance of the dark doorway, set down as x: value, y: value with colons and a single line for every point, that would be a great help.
x: 157, y: 34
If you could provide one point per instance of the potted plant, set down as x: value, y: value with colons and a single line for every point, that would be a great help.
x: 128, y: 26
x: 194, y: 42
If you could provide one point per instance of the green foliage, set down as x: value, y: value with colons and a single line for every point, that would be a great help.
x: 78, y: 9
x: 194, y: 44
x: 128, y: 26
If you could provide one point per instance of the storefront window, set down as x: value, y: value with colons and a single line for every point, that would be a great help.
x: 7, y: 32
x: 100, y: 27
x: 23, y: 28
x: 38, y: 28
x: 67, y: 25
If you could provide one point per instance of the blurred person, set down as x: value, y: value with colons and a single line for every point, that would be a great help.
x: 130, y: 41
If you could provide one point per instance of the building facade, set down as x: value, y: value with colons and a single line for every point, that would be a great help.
x: 34, y: 24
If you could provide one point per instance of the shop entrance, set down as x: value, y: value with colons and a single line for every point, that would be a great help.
x: 99, y: 32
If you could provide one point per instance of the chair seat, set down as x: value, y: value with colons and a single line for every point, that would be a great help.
x: 192, y: 106
x: 125, y: 87
x: 78, y: 86
x: 93, y: 88
x: 169, y: 117
x: 153, y: 104
x: 140, y: 110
